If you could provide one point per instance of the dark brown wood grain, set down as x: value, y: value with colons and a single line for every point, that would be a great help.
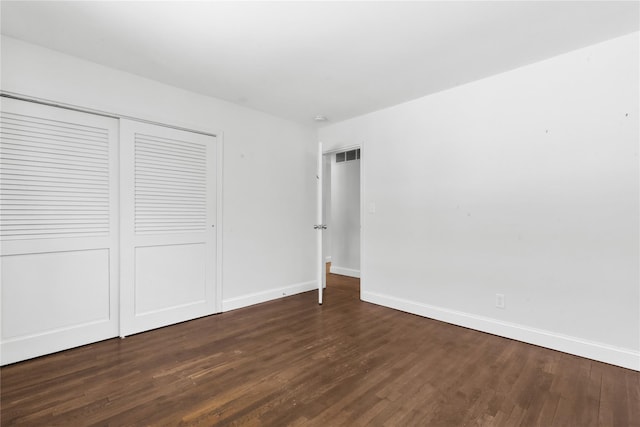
x: 292, y: 362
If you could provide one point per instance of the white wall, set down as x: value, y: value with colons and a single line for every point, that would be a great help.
x: 524, y: 184
x: 269, y: 163
x: 345, y: 217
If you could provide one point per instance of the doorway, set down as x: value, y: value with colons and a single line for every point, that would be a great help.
x: 342, y: 215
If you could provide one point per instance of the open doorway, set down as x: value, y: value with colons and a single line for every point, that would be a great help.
x: 341, y: 212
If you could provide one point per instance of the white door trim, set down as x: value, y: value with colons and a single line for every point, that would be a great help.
x: 219, y: 218
x: 72, y: 107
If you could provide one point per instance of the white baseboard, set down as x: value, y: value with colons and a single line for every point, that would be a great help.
x: 344, y: 271
x: 271, y: 294
x: 627, y: 358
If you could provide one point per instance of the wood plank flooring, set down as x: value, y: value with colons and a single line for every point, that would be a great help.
x: 292, y: 362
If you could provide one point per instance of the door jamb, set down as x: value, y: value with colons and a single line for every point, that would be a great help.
x: 362, y: 212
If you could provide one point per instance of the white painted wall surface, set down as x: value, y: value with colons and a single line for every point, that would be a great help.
x: 269, y: 163
x: 524, y: 184
x: 345, y: 217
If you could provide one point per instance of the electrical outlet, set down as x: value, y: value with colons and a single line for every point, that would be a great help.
x: 500, y: 300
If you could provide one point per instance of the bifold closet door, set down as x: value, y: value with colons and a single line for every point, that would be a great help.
x: 168, y: 235
x: 58, y: 229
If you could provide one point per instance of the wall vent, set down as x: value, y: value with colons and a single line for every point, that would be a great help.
x: 347, y: 156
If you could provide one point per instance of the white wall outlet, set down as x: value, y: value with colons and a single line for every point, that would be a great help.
x: 500, y: 300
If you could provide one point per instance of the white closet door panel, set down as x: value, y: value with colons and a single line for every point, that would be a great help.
x: 58, y: 229
x: 168, y: 187
x: 159, y: 268
x: 68, y: 300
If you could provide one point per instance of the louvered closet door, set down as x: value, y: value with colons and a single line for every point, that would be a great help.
x: 168, y: 186
x: 58, y: 229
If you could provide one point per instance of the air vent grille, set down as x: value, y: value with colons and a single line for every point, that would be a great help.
x: 347, y: 156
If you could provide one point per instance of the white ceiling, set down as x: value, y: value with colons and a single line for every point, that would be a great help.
x: 300, y: 59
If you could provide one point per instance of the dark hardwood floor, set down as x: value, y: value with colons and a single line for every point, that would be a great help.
x: 292, y: 362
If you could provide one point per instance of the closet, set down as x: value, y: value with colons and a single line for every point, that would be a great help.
x: 107, y: 227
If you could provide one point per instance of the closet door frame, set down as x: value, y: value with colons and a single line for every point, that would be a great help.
x: 67, y: 338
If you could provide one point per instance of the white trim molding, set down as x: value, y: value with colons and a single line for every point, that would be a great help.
x: 343, y: 271
x: 627, y: 358
x: 219, y: 219
x: 264, y: 296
